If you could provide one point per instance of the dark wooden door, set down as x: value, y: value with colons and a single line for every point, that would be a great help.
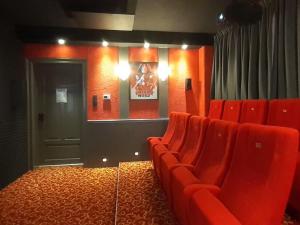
x: 59, y: 112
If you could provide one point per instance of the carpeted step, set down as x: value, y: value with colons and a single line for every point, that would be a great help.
x: 140, y: 200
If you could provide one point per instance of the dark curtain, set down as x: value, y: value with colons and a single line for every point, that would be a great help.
x: 260, y: 60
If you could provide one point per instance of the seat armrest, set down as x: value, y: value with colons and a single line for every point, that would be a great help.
x: 190, y: 167
x: 149, y: 138
x: 161, y: 147
x: 205, y: 208
x: 193, y: 188
x: 176, y: 154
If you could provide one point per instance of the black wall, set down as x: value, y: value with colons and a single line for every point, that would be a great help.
x: 13, y: 137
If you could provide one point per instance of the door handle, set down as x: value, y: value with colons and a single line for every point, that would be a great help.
x: 41, y: 117
x: 71, y: 139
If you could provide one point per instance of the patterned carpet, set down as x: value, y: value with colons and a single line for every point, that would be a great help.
x: 140, y: 199
x: 60, y: 196
x: 81, y: 196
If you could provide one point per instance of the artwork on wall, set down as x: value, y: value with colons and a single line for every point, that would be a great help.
x: 143, y: 81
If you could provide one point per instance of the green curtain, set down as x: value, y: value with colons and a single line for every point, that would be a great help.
x: 260, y: 60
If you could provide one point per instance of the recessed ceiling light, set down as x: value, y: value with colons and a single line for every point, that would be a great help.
x: 136, y: 153
x: 184, y: 46
x: 61, y: 41
x: 105, y: 43
x: 146, y: 44
x: 104, y: 160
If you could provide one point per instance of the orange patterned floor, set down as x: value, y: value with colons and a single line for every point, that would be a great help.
x: 60, y: 196
x: 140, y: 199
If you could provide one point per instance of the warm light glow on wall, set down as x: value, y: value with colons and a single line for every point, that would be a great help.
x: 163, y: 71
x: 182, y: 67
x: 122, y: 70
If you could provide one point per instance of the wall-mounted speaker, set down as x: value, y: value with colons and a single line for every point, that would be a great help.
x: 188, y: 84
x: 95, y: 101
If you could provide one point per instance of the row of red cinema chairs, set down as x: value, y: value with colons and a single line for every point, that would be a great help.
x: 220, y: 172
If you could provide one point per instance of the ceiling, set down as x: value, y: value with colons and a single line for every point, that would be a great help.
x: 190, y: 16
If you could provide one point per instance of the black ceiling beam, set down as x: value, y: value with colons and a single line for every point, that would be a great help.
x: 33, y: 34
x: 103, y: 6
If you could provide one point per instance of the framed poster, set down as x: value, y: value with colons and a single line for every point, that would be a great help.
x: 143, y: 81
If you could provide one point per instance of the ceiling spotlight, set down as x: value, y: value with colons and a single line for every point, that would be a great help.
x: 184, y: 46
x: 136, y: 153
x: 104, y: 160
x: 146, y: 44
x: 61, y: 41
x: 105, y: 43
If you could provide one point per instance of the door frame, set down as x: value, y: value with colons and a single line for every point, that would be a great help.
x: 31, y: 133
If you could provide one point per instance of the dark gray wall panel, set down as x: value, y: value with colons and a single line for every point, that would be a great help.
x: 13, y: 139
x: 118, y: 140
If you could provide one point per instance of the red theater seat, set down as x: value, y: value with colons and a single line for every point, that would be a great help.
x: 189, y: 152
x: 215, y: 109
x: 254, y: 111
x: 231, y: 111
x: 258, y: 182
x: 152, y: 141
x: 286, y: 113
x: 211, y: 166
x: 176, y: 141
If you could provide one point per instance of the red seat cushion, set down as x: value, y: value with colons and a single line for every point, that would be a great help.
x: 254, y: 111
x: 231, y: 111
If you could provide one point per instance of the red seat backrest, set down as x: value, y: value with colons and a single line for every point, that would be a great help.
x: 180, y: 131
x: 231, y: 111
x: 215, y: 109
x: 193, y: 142
x: 170, y: 129
x: 286, y: 113
x: 261, y: 174
x: 215, y: 157
x: 254, y: 111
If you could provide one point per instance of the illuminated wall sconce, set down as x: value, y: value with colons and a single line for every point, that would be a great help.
x: 163, y: 71
x: 122, y: 70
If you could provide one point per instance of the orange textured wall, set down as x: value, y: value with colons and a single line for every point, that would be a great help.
x: 143, y: 109
x: 143, y: 55
x: 102, y: 80
x: 205, y: 74
x: 100, y: 75
x: 184, y: 64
